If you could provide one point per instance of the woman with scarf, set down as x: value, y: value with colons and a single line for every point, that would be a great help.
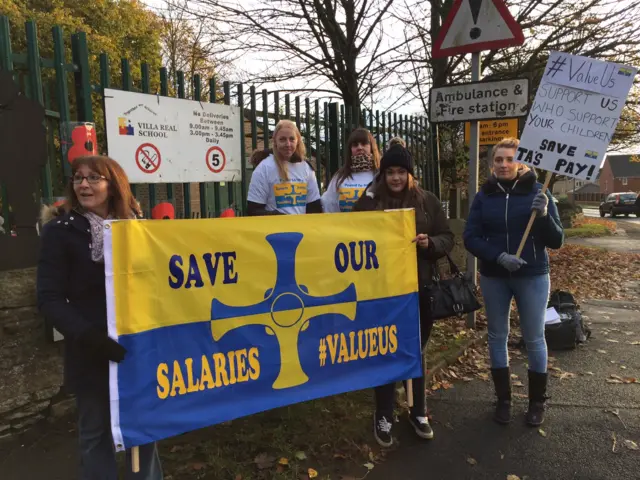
x: 362, y: 161
x: 71, y: 295
x: 393, y: 188
x: 497, y: 221
x: 283, y: 183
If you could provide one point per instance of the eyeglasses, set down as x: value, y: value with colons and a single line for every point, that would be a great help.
x: 92, y: 179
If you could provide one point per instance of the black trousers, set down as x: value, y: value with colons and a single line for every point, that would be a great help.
x: 385, y: 394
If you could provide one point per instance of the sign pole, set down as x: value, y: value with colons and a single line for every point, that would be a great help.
x: 474, y: 158
x: 470, y: 27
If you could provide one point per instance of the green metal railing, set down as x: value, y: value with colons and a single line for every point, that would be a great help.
x: 67, y: 94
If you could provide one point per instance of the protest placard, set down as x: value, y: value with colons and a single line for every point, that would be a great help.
x: 574, y: 115
x: 226, y: 318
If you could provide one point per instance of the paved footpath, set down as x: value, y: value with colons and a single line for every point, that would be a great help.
x: 579, y: 430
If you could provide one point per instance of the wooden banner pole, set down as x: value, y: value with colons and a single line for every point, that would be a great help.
x: 135, y: 459
x: 547, y: 181
x: 410, y: 392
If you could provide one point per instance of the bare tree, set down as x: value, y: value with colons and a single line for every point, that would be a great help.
x: 336, y: 45
x: 188, y: 47
x: 604, y: 29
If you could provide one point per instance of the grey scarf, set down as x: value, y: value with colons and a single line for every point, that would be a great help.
x: 96, y: 223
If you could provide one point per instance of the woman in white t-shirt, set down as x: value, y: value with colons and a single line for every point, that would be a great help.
x: 284, y: 183
x: 362, y: 161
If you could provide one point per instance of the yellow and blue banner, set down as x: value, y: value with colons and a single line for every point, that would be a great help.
x: 223, y: 318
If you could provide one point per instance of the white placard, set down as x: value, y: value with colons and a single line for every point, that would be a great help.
x: 585, y: 73
x: 171, y: 140
x: 479, y: 101
x: 571, y: 122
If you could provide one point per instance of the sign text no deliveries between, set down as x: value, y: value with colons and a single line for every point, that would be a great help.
x: 479, y: 101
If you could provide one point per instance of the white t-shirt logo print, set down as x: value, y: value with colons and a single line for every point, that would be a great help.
x: 290, y: 194
x: 343, y: 198
x: 285, y: 196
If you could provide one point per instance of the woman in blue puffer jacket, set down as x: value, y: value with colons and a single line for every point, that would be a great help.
x: 496, y: 224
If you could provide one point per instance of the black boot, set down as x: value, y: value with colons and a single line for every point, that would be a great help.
x: 537, y: 398
x: 502, y: 383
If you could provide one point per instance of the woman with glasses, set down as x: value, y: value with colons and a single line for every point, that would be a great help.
x: 71, y: 294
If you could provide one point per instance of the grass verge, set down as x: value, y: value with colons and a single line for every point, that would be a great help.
x: 587, y: 231
x: 591, y: 227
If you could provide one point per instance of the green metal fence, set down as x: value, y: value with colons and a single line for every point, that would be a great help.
x: 63, y: 85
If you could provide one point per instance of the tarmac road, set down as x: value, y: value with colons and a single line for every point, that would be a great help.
x: 594, y: 212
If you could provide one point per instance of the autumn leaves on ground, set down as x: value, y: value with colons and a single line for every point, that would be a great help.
x: 331, y: 438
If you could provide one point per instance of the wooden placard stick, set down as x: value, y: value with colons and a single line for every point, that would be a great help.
x: 545, y: 187
x: 409, y: 392
x: 135, y: 459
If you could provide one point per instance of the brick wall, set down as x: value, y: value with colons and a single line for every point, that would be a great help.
x: 633, y: 185
x: 606, y: 179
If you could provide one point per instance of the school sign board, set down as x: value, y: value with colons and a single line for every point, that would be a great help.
x: 223, y: 318
x: 493, y: 131
x: 479, y: 101
x: 170, y: 140
x: 574, y: 115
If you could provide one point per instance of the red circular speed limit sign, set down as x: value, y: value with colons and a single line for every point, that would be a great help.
x: 216, y: 159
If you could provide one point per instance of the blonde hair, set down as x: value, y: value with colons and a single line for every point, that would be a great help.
x: 509, y: 142
x: 300, y: 152
x: 397, y: 141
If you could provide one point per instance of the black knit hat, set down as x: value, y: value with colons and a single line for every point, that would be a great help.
x: 397, y: 156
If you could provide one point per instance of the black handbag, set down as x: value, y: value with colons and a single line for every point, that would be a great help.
x: 451, y: 297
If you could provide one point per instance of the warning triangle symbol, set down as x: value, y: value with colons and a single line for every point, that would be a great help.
x: 476, y: 25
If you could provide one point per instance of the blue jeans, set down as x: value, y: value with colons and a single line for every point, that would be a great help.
x: 97, y: 453
x: 532, y: 296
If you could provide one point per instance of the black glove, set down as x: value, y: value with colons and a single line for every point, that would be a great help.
x: 102, y: 346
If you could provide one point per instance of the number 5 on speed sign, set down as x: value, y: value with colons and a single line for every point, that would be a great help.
x: 216, y: 159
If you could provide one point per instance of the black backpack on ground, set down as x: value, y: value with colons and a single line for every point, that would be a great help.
x: 571, y: 330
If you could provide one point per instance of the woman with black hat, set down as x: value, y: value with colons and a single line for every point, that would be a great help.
x: 393, y: 188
